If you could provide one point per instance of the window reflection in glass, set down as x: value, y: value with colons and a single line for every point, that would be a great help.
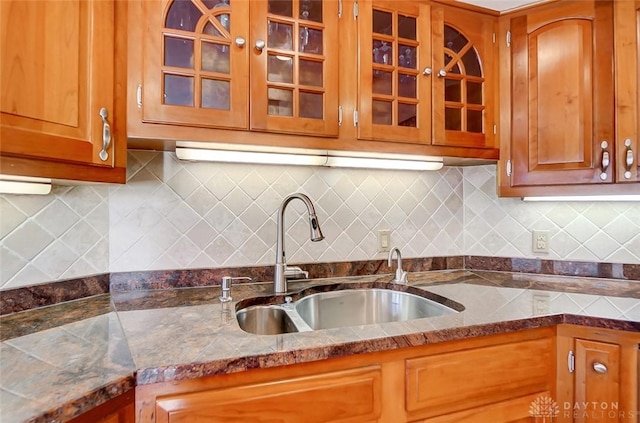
x: 407, y: 86
x: 311, y: 105
x: 382, y: 112
x: 311, y: 73
x: 280, y: 68
x: 280, y: 36
x: 178, y: 52
x: 281, y: 7
x: 215, y: 57
x: 280, y: 102
x: 311, y: 10
x: 310, y: 40
x: 178, y: 90
x: 382, y: 82
x: 215, y: 94
x: 182, y: 15
x: 407, y: 27
x: 407, y: 115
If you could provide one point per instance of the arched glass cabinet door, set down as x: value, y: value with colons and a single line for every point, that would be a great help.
x: 463, y: 80
x: 196, y: 63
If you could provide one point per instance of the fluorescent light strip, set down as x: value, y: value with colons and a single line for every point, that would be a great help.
x: 371, y: 163
x: 230, y: 153
x: 585, y: 198
x: 249, y: 157
x: 14, y: 186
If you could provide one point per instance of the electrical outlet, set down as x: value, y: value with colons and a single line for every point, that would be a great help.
x: 384, y: 240
x: 540, y: 241
x: 541, y: 304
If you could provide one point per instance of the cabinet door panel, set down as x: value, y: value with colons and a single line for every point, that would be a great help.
x: 194, y: 71
x: 627, y: 27
x: 463, y: 105
x: 563, y: 117
x: 447, y: 383
x: 294, y: 80
x: 395, y: 96
x: 57, y: 74
x: 342, y: 396
x: 597, y: 380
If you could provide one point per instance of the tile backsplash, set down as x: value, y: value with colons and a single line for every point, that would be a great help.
x: 176, y: 215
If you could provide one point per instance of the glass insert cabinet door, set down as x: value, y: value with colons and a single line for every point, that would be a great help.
x: 395, y: 90
x: 463, y: 69
x: 196, y: 63
x: 294, y: 66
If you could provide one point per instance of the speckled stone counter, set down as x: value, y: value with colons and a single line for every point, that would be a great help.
x: 55, y: 366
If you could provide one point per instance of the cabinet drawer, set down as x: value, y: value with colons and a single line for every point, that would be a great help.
x: 516, y: 410
x: 446, y: 383
x: 342, y: 396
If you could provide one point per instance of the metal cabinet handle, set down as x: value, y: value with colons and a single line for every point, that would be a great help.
x: 442, y: 73
x: 629, y: 158
x: 599, y: 368
x: 606, y: 160
x: 260, y: 45
x: 427, y: 71
x: 240, y: 41
x: 106, y: 134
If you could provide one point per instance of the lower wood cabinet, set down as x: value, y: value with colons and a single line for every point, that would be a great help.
x: 597, y: 375
x: 117, y: 410
x: 490, y: 378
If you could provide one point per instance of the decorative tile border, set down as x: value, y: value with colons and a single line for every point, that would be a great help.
x: 25, y: 298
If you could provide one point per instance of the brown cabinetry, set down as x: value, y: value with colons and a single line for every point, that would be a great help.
x: 446, y: 382
x: 352, y: 75
x: 265, y: 66
x: 59, y: 112
x: 597, y: 375
x: 117, y: 410
x: 566, y: 130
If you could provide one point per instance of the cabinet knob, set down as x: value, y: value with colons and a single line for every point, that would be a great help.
x: 629, y: 158
x: 599, y: 368
x: 427, y: 71
x: 240, y: 41
x: 260, y: 45
x: 442, y: 73
x: 106, y: 134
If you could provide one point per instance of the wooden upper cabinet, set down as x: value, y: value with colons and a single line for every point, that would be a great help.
x: 195, y: 70
x: 464, y: 76
x: 294, y: 62
x: 563, y: 94
x: 395, y: 93
x: 57, y: 90
x: 264, y: 65
x: 627, y: 56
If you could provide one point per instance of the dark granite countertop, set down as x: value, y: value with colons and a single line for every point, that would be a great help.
x: 60, y: 361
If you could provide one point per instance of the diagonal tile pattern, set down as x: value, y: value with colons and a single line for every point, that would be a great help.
x: 174, y: 214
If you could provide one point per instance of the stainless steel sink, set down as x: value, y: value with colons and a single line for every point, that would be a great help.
x: 355, y: 307
x: 265, y: 320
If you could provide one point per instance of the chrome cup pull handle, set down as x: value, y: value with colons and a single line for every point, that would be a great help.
x: 599, y: 368
x: 106, y: 134
x: 629, y: 159
x: 606, y: 160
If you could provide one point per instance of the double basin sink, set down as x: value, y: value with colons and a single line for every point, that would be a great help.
x: 341, y: 306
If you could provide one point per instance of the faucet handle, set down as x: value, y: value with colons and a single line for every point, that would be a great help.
x: 226, y: 287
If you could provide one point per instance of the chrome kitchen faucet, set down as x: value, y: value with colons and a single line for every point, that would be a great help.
x: 280, y: 272
x: 401, y: 275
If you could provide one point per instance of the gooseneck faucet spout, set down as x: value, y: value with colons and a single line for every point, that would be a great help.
x: 401, y: 275
x: 279, y: 277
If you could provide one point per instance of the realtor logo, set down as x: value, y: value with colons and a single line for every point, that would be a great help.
x: 544, y: 408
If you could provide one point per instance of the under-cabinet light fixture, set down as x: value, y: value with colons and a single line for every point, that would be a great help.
x: 595, y: 198
x: 11, y: 184
x: 233, y: 153
x: 383, y: 161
